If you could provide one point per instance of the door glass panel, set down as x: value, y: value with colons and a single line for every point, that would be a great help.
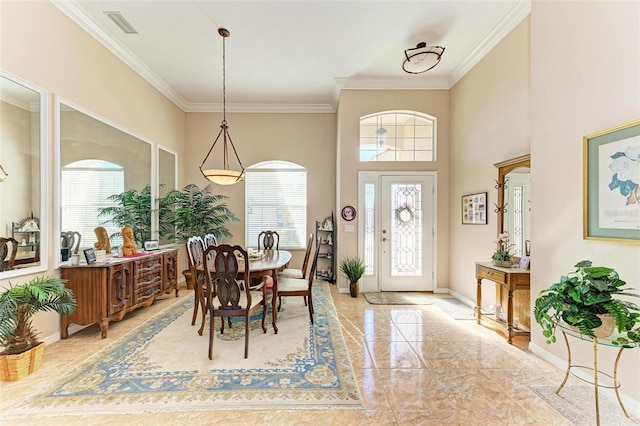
x: 406, y: 230
x: 369, y: 228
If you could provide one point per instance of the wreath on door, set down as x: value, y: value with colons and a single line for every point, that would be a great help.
x: 404, y: 213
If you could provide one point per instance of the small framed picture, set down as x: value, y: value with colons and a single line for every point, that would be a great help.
x: 524, y: 262
x: 474, y: 209
x: 90, y: 256
x: 151, y: 245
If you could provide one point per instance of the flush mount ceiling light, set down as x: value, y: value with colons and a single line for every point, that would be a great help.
x: 121, y: 22
x: 3, y: 174
x: 422, y: 58
x: 224, y: 175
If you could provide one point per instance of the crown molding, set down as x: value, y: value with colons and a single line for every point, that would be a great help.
x: 87, y: 24
x: 516, y: 15
x: 262, y: 108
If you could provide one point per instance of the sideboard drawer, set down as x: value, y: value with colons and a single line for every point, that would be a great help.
x: 491, y: 274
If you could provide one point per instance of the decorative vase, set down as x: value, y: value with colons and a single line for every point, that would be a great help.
x: 502, y: 263
x: 353, y: 289
x: 607, y: 328
x: 18, y: 366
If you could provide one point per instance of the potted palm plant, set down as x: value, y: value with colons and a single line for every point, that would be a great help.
x: 588, y: 300
x: 22, y: 352
x: 353, y: 269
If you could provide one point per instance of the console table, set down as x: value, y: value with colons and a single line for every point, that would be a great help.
x: 516, y: 283
x: 106, y: 291
x: 596, y: 384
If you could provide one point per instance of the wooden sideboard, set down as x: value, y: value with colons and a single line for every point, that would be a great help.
x: 107, y: 291
x: 513, y: 291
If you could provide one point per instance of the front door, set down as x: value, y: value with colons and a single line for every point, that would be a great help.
x: 398, y: 231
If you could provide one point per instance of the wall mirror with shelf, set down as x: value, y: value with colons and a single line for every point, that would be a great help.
x: 97, y: 159
x: 513, y: 207
x: 23, y: 157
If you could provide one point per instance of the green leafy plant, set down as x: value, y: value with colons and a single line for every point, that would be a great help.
x: 579, y: 297
x: 503, y: 248
x: 133, y: 208
x: 198, y: 211
x: 19, y: 303
x: 352, y: 268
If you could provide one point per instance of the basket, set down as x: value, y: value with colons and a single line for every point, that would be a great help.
x: 19, y: 366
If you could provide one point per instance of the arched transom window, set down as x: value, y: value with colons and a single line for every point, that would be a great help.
x: 397, y: 136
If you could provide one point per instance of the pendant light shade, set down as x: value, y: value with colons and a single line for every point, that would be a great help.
x: 223, y: 175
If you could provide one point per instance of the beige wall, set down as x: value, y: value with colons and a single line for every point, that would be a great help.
x: 582, y: 81
x: 355, y: 104
x: 304, y: 139
x: 489, y: 124
x: 44, y: 47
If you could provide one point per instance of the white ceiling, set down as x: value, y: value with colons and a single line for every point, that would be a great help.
x: 293, y: 55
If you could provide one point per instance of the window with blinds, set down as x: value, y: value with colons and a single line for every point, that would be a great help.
x: 276, y: 200
x: 85, y: 187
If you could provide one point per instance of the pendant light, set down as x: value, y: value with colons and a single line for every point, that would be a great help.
x: 422, y: 58
x: 224, y: 175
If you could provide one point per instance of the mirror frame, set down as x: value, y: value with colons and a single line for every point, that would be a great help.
x: 45, y: 229
x: 156, y: 224
x: 504, y: 167
x: 57, y: 145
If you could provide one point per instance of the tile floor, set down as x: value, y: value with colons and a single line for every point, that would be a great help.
x: 415, y: 365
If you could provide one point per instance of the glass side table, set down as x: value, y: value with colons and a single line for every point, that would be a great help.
x: 596, y: 343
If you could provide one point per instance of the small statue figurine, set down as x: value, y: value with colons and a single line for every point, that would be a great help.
x: 103, y: 239
x: 128, y: 245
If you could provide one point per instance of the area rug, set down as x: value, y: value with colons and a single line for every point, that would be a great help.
x: 455, y: 308
x: 163, y: 365
x: 577, y: 404
x: 397, y: 298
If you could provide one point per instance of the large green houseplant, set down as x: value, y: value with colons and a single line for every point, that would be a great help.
x: 198, y: 211
x: 18, y: 304
x: 580, y: 299
x: 353, y: 269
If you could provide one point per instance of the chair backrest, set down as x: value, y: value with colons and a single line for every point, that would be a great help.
x: 70, y: 240
x: 307, y: 255
x: 268, y: 240
x: 195, y: 247
x: 226, y: 276
x: 7, y: 253
x: 210, y: 240
x: 314, y: 266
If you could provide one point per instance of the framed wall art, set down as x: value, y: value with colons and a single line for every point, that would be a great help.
x: 611, y: 205
x: 474, y: 209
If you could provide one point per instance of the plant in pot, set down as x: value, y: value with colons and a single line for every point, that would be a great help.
x: 22, y: 352
x: 198, y: 211
x: 502, y: 255
x: 353, y: 269
x: 587, y: 300
x: 132, y: 208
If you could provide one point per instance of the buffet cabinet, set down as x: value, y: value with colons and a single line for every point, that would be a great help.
x: 107, y: 291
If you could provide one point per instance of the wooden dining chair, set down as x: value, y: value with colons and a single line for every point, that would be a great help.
x: 8, y: 252
x: 210, y: 240
x: 268, y: 240
x: 195, y: 248
x: 70, y: 240
x: 299, y: 273
x: 228, y: 292
x: 299, y: 286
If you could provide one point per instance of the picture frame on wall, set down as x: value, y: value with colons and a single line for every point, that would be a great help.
x: 611, y: 198
x: 474, y: 209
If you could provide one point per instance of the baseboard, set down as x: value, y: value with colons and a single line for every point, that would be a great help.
x: 465, y: 300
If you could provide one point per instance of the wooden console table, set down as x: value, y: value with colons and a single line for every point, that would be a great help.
x: 107, y: 291
x: 511, y: 280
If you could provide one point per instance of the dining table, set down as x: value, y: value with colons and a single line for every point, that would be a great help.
x: 270, y: 263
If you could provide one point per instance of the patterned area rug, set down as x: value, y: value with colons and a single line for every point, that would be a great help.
x: 455, y: 308
x: 397, y: 298
x: 577, y: 403
x: 163, y: 365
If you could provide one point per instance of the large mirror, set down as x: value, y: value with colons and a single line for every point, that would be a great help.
x: 167, y: 182
x: 23, y: 163
x: 99, y: 160
x: 514, y: 202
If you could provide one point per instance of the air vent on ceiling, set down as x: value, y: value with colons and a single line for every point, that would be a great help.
x: 121, y: 22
